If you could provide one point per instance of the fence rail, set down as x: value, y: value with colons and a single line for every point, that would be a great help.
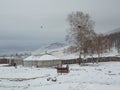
x: 91, y: 60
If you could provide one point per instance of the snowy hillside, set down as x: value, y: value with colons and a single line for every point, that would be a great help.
x: 113, y: 31
x: 63, y: 54
x: 59, y: 52
x: 46, y: 48
x: 102, y: 76
x: 55, y: 45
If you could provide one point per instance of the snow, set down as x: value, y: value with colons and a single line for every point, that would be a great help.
x: 101, y: 76
x: 60, y: 53
x: 43, y: 57
x: 48, y: 57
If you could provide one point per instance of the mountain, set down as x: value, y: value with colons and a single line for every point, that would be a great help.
x: 117, y: 30
x: 10, y: 49
x: 50, y: 47
x: 55, y: 45
x: 60, y: 51
x: 114, y: 36
x: 56, y: 49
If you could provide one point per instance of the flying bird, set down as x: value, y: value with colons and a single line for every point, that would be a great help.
x: 41, y: 26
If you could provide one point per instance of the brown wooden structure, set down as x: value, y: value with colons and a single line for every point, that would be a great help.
x: 4, y: 61
x: 61, y: 69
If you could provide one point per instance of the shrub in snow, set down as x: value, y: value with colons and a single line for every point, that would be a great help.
x: 49, y: 78
x: 54, y: 79
x: 28, y: 84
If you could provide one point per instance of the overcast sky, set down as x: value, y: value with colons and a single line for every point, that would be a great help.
x: 21, y: 20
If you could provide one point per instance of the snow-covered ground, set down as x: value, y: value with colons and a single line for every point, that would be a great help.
x: 102, y: 76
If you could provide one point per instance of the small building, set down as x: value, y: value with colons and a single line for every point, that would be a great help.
x: 4, y: 60
x: 41, y: 61
x: 18, y: 60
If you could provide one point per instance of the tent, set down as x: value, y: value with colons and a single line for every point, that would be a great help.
x: 41, y: 61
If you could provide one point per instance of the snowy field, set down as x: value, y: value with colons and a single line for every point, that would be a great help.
x: 102, y: 76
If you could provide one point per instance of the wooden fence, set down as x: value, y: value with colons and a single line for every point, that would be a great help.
x: 91, y: 60
x: 4, y: 61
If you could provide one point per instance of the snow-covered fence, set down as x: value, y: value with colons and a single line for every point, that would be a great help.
x: 4, y: 61
x: 89, y: 60
x: 103, y: 59
x: 70, y: 61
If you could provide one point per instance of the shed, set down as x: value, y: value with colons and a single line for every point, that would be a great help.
x: 41, y: 61
x: 4, y: 60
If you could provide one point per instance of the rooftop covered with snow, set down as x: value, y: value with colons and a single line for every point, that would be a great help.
x: 40, y: 58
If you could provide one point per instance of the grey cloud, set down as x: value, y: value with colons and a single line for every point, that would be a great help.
x: 21, y: 19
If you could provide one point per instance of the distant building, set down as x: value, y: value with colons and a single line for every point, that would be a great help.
x: 4, y: 60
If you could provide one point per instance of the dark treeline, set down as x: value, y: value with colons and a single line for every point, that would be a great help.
x: 115, y: 40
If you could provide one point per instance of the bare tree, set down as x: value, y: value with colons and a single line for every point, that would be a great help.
x: 102, y: 44
x: 118, y: 46
x: 71, y: 49
x: 81, y: 31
